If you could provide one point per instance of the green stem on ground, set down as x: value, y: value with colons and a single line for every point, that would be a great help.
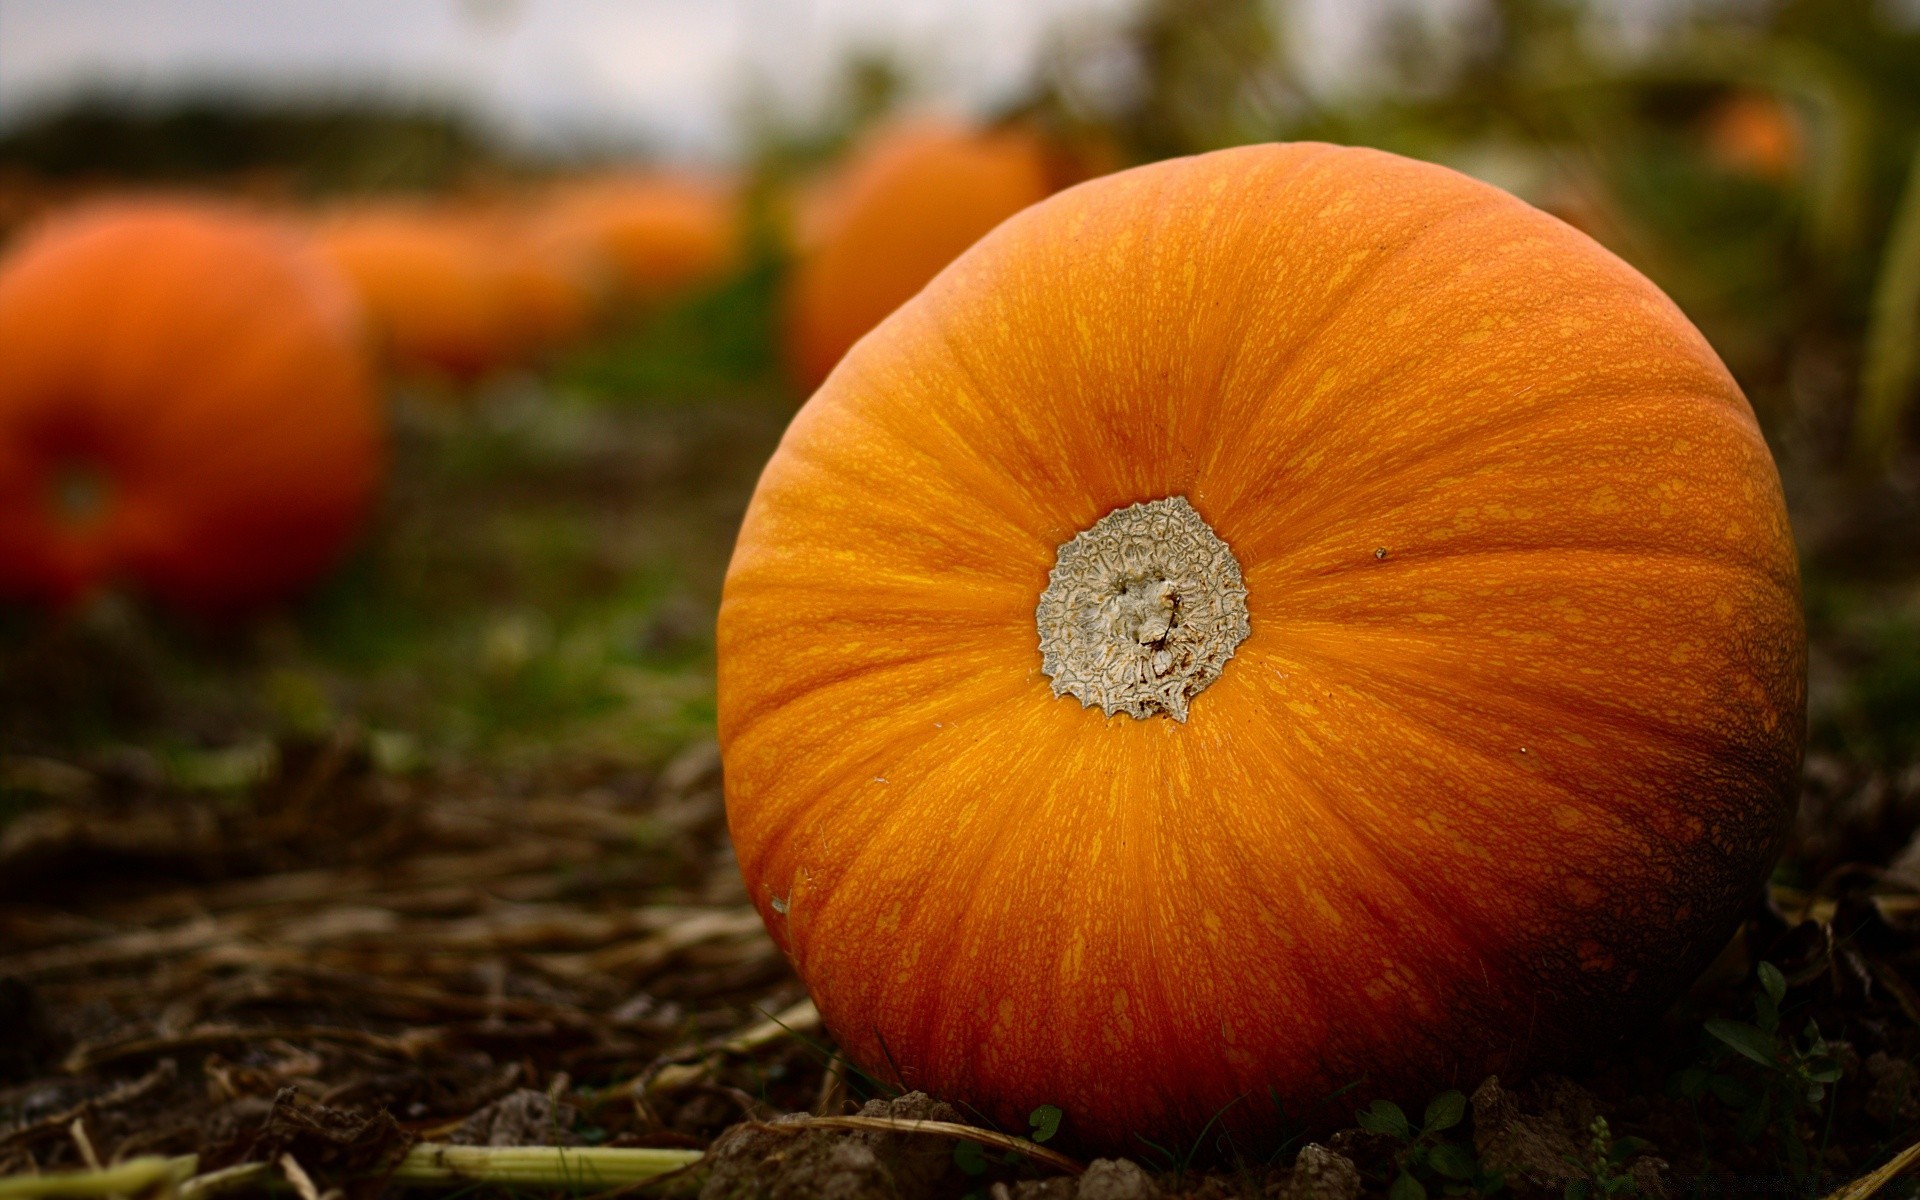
x: 133, y: 1177
x: 580, y: 1168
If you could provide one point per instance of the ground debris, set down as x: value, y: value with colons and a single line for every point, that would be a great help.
x: 1894, y: 1098
x: 1539, y: 1136
x: 760, y: 1163
x: 523, y: 1117
x: 352, y: 1150
x: 456, y: 936
x: 1116, y: 1179
x: 30, y: 1046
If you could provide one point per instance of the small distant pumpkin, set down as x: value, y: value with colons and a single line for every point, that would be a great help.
x: 1754, y: 133
x: 654, y: 234
x: 185, y: 407
x: 1288, y: 623
x: 908, y: 201
x: 459, y: 293
x: 556, y: 287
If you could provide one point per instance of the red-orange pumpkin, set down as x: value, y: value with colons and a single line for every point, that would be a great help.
x: 184, y: 405
x: 1257, y: 624
x: 911, y: 199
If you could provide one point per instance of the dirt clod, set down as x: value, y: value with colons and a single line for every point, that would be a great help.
x: 1057, y: 1188
x: 351, y: 1150
x: 521, y: 1118
x: 1540, y: 1136
x: 1536, y: 1136
x: 767, y: 1162
x: 1320, y: 1174
x: 1894, y: 1099
x: 1116, y: 1179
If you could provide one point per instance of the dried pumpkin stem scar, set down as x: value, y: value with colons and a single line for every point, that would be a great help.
x: 1142, y: 611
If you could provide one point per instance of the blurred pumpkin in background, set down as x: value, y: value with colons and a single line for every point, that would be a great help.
x: 910, y: 198
x: 654, y: 234
x: 459, y: 292
x: 1754, y: 133
x: 557, y: 287
x: 1259, y: 625
x: 185, y: 405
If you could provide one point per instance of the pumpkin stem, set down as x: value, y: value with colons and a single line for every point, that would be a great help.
x: 1142, y: 611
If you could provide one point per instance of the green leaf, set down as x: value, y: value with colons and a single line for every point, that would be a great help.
x: 1766, y: 1014
x: 1446, y: 1111
x: 1455, y: 1162
x: 1796, y: 1153
x: 1626, y: 1147
x: 970, y: 1157
x: 1579, y: 1189
x: 1755, y: 1119
x: 1773, y: 982
x: 1406, y: 1187
x: 1045, y: 1121
x: 1621, y: 1185
x: 1755, y: 1044
x: 1688, y: 1083
x: 1384, y: 1116
x: 1730, y: 1091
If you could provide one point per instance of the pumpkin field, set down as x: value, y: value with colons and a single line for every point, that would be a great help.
x: 1209, y: 635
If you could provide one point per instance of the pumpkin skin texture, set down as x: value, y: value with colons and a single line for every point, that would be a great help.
x: 907, y: 203
x: 1512, y: 739
x: 202, y: 370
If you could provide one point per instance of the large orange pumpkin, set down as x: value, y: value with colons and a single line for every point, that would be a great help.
x: 1258, y: 624
x: 909, y: 201
x: 184, y: 405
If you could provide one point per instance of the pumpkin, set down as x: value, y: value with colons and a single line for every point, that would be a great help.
x: 1753, y: 133
x: 554, y: 284
x: 459, y: 293
x: 654, y: 234
x: 184, y: 405
x: 1281, y: 621
x: 909, y: 200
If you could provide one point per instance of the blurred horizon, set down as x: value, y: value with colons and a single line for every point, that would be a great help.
x: 674, y: 78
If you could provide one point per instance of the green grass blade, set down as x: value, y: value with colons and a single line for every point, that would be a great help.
x: 1891, y: 371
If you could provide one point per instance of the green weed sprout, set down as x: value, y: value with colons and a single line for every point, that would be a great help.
x: 1426, y: 1162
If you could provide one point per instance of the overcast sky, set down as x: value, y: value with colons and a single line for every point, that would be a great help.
x: 672, y: 72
